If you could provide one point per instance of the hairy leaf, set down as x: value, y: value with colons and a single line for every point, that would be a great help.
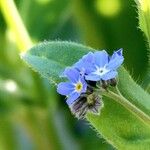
x: 116, y: 124
x: 144, y: 24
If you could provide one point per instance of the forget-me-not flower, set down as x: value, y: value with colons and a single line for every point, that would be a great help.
x: 104, y: 67
x: 80, y: 89
x: 84, y: 65
x: 74, y: 87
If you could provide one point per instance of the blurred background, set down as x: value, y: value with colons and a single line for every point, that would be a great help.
x: 32, y: 115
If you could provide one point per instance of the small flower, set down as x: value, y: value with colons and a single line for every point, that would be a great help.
x: 91, y: 103
x: 104, y: 67
x: 74, y: 87
x: 85, y: 63
x: 91, y: 73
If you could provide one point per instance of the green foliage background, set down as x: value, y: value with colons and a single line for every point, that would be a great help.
x: 34, y: 116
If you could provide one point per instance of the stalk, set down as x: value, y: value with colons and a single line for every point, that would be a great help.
x: 129, y: 106
x: 15, y: 24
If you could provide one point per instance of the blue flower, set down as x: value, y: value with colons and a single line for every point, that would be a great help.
x: 105, y: 67
x: 116, y: 60
x: 85, y: 63
x: 74, y: 87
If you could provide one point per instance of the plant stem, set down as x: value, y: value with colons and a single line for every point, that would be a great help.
x: 132, y: 108
x: 16, y: 24
x: 117, y: 90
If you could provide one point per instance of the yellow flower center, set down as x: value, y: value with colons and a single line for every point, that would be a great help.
x: 78, y: 87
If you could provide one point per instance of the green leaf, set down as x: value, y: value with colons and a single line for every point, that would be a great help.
x: 144, y: 24
x: 116, y: 124
x: 144, y: 16
x: 50, y: 58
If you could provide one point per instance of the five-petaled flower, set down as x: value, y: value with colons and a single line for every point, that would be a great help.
x: 83, y: 77
x: 85, y: 64
x: 104, y: 67
x: 74, y: 87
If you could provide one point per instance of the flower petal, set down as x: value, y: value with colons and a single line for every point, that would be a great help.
x: 73, y: 97
x: 84, y: 85
x: 101, y: 58
x: 85, y: 63
x: 65, y: 88
x: 110, y: 75
x: 63, y: 74
x: 88, y: 57
x: 116, y: 60
x: 120, y: 51
x: 72, y: 74
x: 92, y: 77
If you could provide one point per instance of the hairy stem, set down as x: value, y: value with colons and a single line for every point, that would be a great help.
x: 16, y: 24
x: 132, y: 108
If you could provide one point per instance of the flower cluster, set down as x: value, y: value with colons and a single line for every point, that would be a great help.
x: 93, y: 70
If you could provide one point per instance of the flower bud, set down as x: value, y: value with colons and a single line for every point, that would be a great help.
x: 113, y: 82
x: 91, y: 103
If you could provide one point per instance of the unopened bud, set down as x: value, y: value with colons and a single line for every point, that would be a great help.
x: 113, y: 82
x: 92, y: 103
